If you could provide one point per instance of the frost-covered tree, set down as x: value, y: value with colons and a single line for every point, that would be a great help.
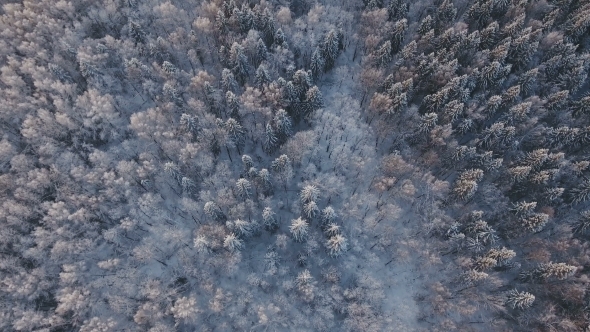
x: 299, y: 229
x: 242, y: 228
x: 317, y: 63
x: 520, y: 300
x: 282, y: 122
x: 328, y: 215
x: 337, y: 245
x: 247, y: 162
x: 185, y: 309
x: 214, y: 211
x: 310, y: 209
x: 309, y: 193
x: 466, y: 184
x: 233, y: 243
x: 268, y: 219
x: 244, y: 188
x: 202, y: 244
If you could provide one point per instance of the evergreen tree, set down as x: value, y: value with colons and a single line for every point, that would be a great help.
x: 337, y: 245
x: 520, y: 300
x: 317, y: 63
x: 330, y: 49
x: 299, y: 229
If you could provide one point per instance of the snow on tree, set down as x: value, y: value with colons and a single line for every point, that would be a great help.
x: 282, y: 123
x: 328, y: 215
x: 310, y: 209
x: 268, y: 219
x: 202, y: 245
x: 214, y: 211
x: 535, y: 221
x: 472, y: 277
x: 233, y: 243
x: 247, y: 161
x: 309, y: 193
x: 244, y: 188
x: 337, y: 245
x: 519, y: 300
x: 466, y: 184
x: 270, y: 139
x: 242, y: 228
x: 185, y: 309
x: 299, y: 229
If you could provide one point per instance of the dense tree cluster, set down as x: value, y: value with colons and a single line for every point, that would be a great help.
x: 303, y: 165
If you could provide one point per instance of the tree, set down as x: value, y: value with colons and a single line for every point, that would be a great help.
x: 270, y: 139
x: 228, y: 81
x: 213, y: 211
x: 268, y: 219
x: 520, y: 300
x: 244, y: 188
x: 239, y: 63
x: 383, y: 54
x: 328, y: 215
x: 309, y: 193
x: 185, y: 309
x: 317, y: 63
x: 233, y: 243
x: 337, y: 245
x: 299, y: 229
x: 310, y: 209
x: 242, y: 228
x: 262, y: 76
x: 282, y: 122
x: 330, y: 49
x: 466, y: 184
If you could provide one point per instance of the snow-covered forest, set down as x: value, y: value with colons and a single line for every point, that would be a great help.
x: 294, y: 165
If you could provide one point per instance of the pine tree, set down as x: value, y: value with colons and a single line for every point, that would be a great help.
x: 264, y: 177
x: 426, y: 25
x: 188, y: 123
x: 261, y: 51
x: 399, y: 29
x: 328, y: 215
x: 309, y: 193
x: 317, y: 63
x: 466, y: 184
x: 299, y: 229
x: 582, y: 225
x: 173, y: 170
x: 262, y: 76
x: 247, y: 161
x: 233, y: 104
x: 169, y: 68
x: 427, y: 122
x: 214, y: 211
x: 239, y: 62
x: 137, y: 33
x: 310, y: 209
x: 283, y: 124
x: 228, y: 81
x: 270, y: 139
x: 314, y: 99
x: 520, y: 300
x: 383, y: 54
x: 241, y: 228
x: 235, y: 131
x: 244, y: 188
x: 268, y: 219
x: 233, y: 243
x: 330, y: 49
x: 535, y: 221
x: 337, y: 245
x: 202, y: 245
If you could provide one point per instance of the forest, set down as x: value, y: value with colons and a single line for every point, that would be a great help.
x: 295, y: 165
